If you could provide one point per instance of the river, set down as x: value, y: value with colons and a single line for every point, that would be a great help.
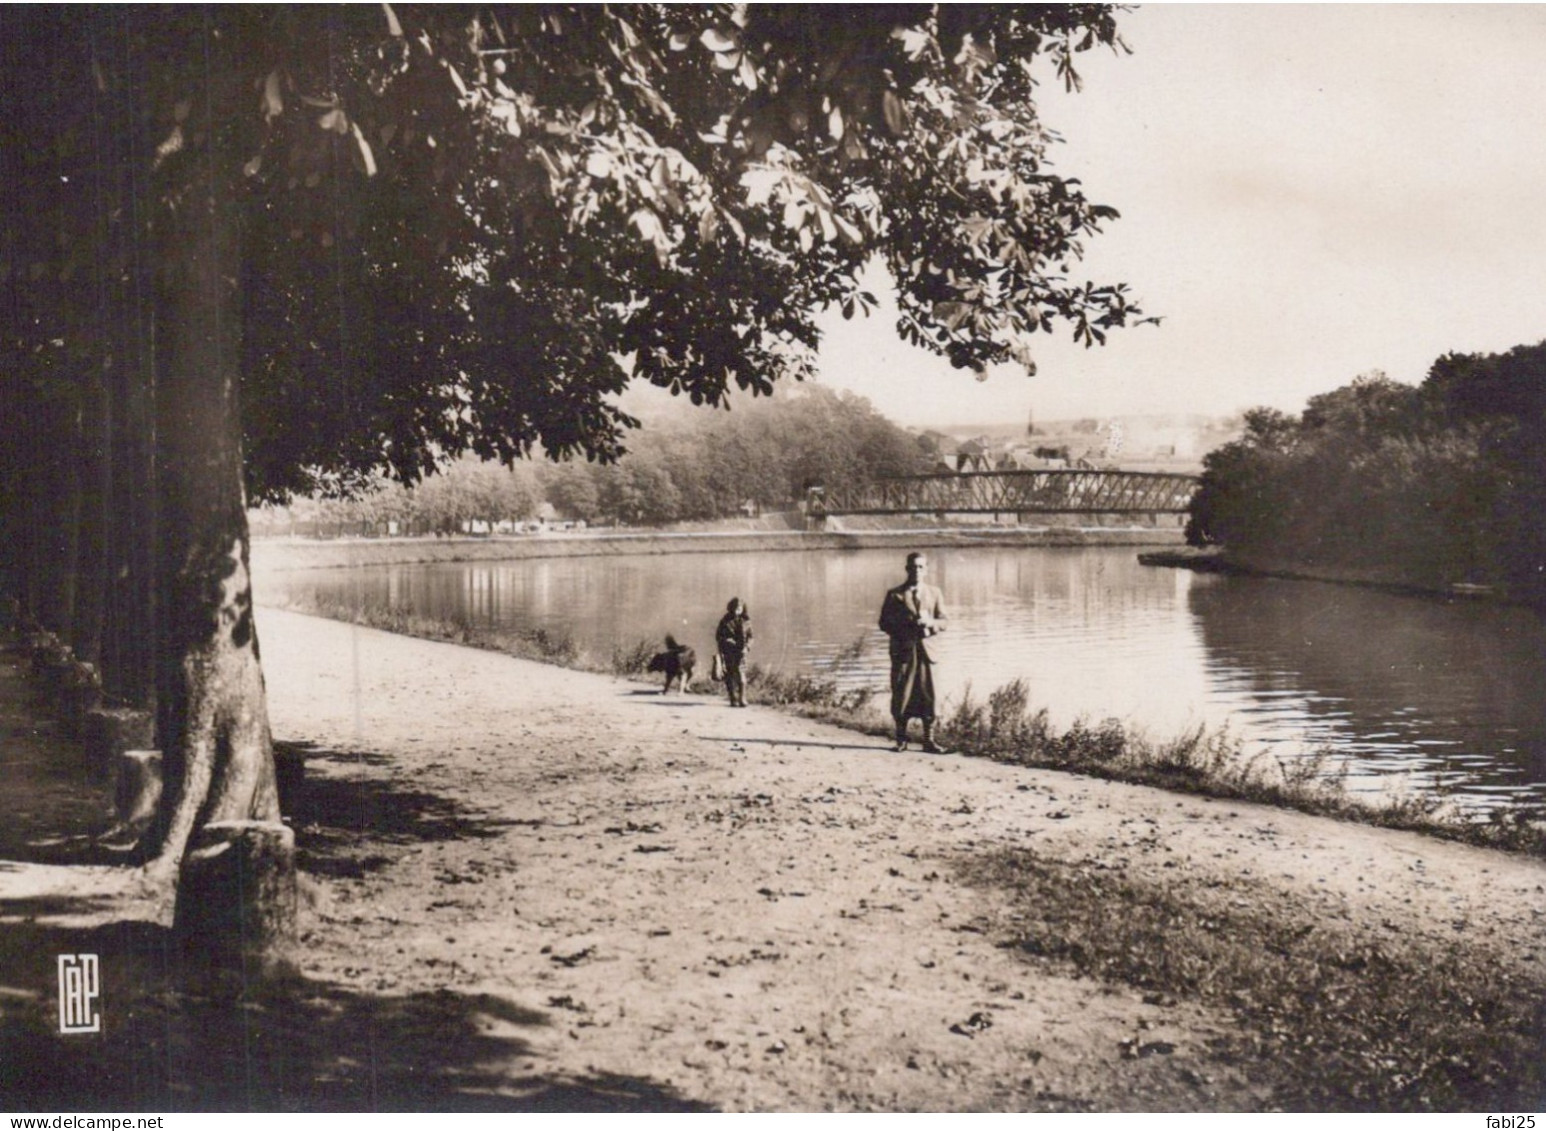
x: 1412, y: 694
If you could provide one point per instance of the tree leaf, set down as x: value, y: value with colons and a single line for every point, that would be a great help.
x: 647, y: 223
x: 914, y: 42
x: 273, y: 100
x: 828, y: 228
x: 847, y: 230
x: 735, y: 225
x: 172, y: 143
x: 951, y: 314
x: 719, y: 41
x: 759, y: 184
x: 599, y: 165
x: 367, y: 158
x: 335, y: 120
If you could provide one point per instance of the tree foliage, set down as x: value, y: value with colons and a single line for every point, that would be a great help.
x: 472, y: 227
x: 466, y: 229
x: 1435, y: 484
x: 698, y: 469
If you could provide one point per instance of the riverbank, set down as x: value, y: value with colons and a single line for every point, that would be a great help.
x: 1218, y: 560
x: 538, y: 888
x: 1003, y: 723
x: 270, y: 554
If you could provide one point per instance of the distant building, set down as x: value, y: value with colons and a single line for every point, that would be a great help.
x: 1113, y: 439
x: 975, y: 455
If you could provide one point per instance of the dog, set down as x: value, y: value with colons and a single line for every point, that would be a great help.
x: 677, y: 662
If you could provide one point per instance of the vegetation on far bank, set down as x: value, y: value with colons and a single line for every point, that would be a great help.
x: 774, y: 534
x: 1007, y: 728
x: 1429, y: 486
x: 761, y: 457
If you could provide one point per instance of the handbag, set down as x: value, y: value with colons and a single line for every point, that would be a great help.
x: 717, y: 668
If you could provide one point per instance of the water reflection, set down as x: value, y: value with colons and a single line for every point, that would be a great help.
x: 1451, y: 693
x: 1403, y: 686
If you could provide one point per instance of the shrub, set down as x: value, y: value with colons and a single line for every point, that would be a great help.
x: 634, y: 660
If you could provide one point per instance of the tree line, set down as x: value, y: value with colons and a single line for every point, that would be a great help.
x: 763, y: 456
x: 1439, y: 483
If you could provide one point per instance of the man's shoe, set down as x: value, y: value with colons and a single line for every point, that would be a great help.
x: 901, y: 745
x: 930, y: 747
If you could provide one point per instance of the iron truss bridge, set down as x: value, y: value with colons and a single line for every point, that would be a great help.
x: 1013, y: 492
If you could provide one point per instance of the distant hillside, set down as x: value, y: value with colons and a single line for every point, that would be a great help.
x: 1140, y: 442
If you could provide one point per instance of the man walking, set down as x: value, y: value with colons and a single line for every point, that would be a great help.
x: 913, y: 612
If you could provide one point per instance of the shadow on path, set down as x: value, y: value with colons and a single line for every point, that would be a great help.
x: 675, y: 700
x: 172, y: 1043
x: 877, y: 746
x: 54, y: 801
x: 342, y: 820
x: 174, y: 1040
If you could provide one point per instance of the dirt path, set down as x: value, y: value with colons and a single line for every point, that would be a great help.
x: 760, y: 911
x: 670, y: 902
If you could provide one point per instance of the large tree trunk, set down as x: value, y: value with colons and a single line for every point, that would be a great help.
x: 211, y: 712
x: 124, y: 323
x: 56, y: 516
x: 92, y: 554
x: 134, y: 541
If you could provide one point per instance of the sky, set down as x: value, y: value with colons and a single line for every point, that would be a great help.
x: 1307, y: 193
